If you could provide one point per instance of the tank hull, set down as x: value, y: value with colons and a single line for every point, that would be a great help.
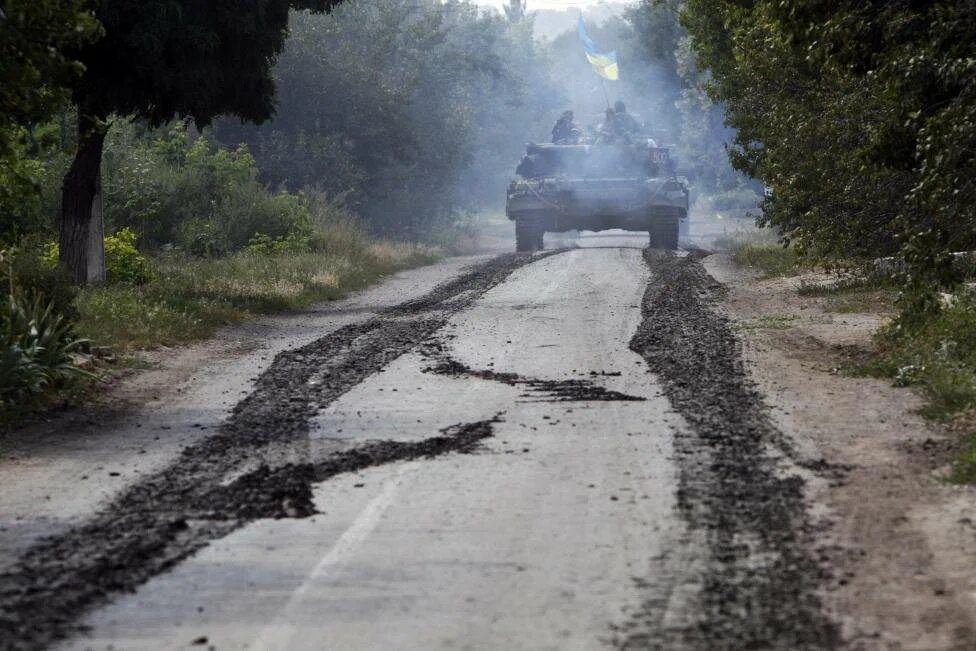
x: 557, y: 205
x: 630, y: 186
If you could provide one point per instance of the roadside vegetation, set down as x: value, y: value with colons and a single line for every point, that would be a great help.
x: 115, y: 122
x: 770, y: 258
x: 860, y: 118
x: 269, y: 173
x: 938, y: 356
x: 188, y: 298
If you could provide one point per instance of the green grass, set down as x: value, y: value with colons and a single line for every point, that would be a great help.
x: 964, y: 466
x: 772, y: 259
x: 768, y: 322
x: 853, y: 293
x: 938, y: 356
x: 189, y: 298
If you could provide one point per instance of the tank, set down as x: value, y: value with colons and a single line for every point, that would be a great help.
x: 597, y: 187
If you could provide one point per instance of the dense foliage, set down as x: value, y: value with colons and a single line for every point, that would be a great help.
x: 435, y: 98
x: 38, y: 347
x: 159, y: 59
x: 37, y: 41
x: 175, y: 188
x: 861, y: 117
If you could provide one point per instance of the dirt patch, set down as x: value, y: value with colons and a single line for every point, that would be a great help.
x: 256, y: 466
x: 760, y: 582
x: 901, y: 540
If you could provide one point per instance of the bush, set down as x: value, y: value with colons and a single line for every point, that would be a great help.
x: 34, y: 267
x: 37, y: 345
x: 772, y: 259
x: 123, y: 262
x: 174, y: 189
x: 938, y: 355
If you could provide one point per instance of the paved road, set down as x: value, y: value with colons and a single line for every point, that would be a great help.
x: 491, y: 466
x: 533, y: 542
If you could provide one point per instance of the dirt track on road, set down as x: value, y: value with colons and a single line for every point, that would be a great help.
x: 255, y: 467
x: 567, y: 450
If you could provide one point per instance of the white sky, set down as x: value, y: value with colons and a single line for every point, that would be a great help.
x: 542, y: 4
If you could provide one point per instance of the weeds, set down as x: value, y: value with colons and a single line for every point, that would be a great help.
x: 964, y: 466
x: 38, y: 353
x: 937, y: 355
x: 189, y: 298
x: 849, y: 284
x: 773, y: 260
x: 854, y: 295
x: 768, y: 322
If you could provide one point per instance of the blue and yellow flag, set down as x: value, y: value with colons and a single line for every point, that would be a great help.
x: 604, y: 64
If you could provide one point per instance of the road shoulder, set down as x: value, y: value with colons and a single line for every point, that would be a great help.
x: 898, y: 538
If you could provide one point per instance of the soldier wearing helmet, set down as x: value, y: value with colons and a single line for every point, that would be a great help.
x: 566, y: 131
x: 625, y: 122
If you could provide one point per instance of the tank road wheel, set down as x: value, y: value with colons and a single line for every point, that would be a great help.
x: 664, y: 233
x: 528, y: 235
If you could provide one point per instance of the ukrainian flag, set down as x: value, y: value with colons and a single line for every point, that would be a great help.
x: 604, y: 64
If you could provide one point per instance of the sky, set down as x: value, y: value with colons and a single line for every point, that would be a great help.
x: 542, y: 4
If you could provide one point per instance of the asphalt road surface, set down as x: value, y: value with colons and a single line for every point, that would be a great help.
x: 557, y: 451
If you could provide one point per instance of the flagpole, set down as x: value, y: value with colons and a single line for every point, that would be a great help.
x: 602, y: 62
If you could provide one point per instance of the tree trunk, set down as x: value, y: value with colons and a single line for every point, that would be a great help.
x: 82, y: 245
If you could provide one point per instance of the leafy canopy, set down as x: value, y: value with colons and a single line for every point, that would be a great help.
x: 38, y: 39
x: 161, y: 58
x: 862, y: 118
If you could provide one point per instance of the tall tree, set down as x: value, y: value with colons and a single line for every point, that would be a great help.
x: 861, y: 116
x: 36, y: 37
x: 160, y: 59
x: 437, y: 102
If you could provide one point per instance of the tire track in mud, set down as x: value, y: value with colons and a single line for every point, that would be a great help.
x: 759, y: 585
x: 257, y: 465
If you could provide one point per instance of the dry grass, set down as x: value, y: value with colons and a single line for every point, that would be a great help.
x: 189, y: 298
x: 771, y: 258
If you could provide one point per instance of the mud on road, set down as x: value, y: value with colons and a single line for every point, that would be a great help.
x: 755, y: 571
x: 759, y: 584
x: 257, y: 466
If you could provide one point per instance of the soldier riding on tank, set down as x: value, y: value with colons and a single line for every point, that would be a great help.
x: 566, y: 131
x: 619, y: 179
x: 609, y: 132
x: 625, y: 122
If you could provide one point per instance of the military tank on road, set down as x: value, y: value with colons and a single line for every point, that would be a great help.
x: 595, y: 187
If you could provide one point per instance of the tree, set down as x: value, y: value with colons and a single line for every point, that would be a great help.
x: 413, y: 110
x: 799, y: 127
x: 920, y: 57
x: 160, y: 59
x: 36, y: 67
x: 861, y: 115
